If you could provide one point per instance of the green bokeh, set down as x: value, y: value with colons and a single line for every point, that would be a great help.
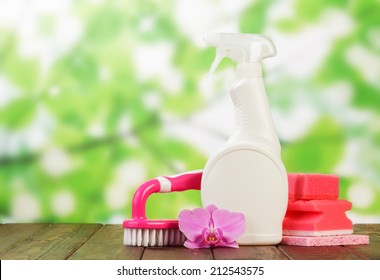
x: 96, y: 82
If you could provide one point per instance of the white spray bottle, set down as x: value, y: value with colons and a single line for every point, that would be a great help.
x: 247, y: 174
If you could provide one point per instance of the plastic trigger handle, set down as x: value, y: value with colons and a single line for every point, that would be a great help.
x: 220, y: 54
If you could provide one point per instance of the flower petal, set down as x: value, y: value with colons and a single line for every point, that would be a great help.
x: 211, y: 208
x: 194, y: 245
x: 226, y: 244
x: 191, y: 223
x: 232, y: 224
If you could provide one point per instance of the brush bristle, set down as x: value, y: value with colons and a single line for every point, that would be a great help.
x: 153, y: 237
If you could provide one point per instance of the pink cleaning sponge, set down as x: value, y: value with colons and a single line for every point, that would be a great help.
x: 313, y: 186
x: 325, y: 240
x: 317, y: 218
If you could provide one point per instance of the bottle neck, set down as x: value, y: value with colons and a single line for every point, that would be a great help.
x: 253, y: 116
x: 251, y: 69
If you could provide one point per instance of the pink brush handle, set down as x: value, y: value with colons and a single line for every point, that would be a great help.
x: 178, y: 183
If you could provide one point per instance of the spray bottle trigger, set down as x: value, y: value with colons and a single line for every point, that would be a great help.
x: 220, y: 54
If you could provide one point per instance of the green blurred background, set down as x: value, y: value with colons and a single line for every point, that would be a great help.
x: 98, y: 96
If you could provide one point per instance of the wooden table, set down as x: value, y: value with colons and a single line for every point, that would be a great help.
x: 105, y: 242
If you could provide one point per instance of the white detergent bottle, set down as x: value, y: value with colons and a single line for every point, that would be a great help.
x: 247, y: 174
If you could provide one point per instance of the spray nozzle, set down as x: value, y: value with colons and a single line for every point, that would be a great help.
x: 239, y: 47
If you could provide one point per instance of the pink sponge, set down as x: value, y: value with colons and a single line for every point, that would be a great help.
x: 317, y: 218
x: 313, y: 186
x: 325, y: 240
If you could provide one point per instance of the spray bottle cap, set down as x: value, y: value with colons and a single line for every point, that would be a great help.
x: 241, y: 48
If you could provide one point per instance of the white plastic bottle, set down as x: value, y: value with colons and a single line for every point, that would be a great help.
x: 247, y: 174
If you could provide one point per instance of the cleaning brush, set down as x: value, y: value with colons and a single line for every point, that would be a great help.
x: 140, y: 231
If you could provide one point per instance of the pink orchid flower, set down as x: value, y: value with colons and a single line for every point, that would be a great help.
x: 211, y: 227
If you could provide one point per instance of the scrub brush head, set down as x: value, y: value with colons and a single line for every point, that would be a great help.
x: 168, y: 235
x: 140, y: 231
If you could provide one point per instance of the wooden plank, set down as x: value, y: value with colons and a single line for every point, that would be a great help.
x: 55, y: 242
x: 370, y: 251
x: 11, y: 234
x: 249, y: 253
x: 366, y: 228
x: 107, y: 244
x: 176, y: 253
x: 318, y: 253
